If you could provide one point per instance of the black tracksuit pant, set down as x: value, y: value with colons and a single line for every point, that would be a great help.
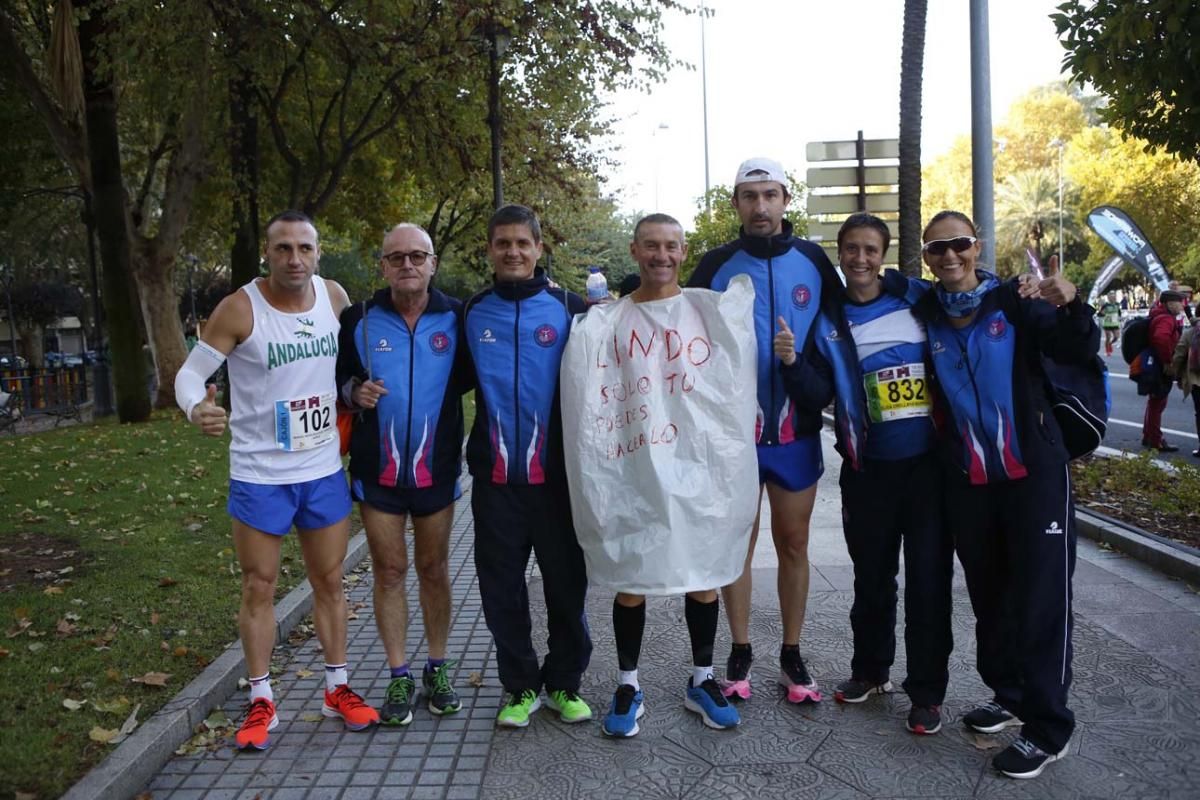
x: 886, y: 505
x: 510, y: 521
x: 1016, y: 543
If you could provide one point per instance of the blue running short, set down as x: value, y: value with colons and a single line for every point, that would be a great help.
x: 275, y: 508
x: 794, y: 466
x: 402, y: 501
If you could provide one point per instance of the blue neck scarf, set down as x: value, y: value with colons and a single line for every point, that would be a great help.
x: 964, y: 304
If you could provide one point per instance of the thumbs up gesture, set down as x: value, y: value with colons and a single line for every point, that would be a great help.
x: 207, y: 415
x: 1054, y: 288
x: 785, y: 343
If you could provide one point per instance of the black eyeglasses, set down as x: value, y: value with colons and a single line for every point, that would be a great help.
x: 938, y: 247
x: 396, y: 259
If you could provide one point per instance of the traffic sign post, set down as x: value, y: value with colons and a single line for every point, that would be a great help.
x: 849, y: 185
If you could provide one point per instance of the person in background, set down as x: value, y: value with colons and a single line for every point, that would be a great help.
x: 1110, y: 321
x: 1186, y: 364
x: 1166, y: 326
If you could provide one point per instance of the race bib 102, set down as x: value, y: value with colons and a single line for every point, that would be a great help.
x: 305, y: 422
x: 897, y: 393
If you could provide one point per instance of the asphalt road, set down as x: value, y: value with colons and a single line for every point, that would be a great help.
x: 1125, y: 419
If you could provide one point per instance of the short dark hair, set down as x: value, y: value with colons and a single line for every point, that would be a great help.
x: 655, y: 219
x: 864, y: 220
x: 515, y: 215
x: 290, y: 215
x: 958, y: 215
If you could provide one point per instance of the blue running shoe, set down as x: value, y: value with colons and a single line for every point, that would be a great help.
x: 623, y: 714
x: 708, y: 701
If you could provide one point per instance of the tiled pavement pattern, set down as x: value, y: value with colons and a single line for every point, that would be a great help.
x: 1136, y: 695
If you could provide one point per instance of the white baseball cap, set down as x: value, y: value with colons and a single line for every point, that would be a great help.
x: 759, y: 169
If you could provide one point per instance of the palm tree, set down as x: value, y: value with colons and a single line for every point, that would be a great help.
x: 912, y: 61
x: 1027, y: 213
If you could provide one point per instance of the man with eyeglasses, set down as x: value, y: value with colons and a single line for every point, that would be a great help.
x: 789, y: 276
x: 400, y: 367
x: 516, y: 331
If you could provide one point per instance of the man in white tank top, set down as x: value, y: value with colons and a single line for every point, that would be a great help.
x: 279, y: 334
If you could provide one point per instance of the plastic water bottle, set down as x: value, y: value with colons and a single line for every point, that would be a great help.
x: 597, y: 285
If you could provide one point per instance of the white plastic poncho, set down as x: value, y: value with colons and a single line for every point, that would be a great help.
x: 658, y: 406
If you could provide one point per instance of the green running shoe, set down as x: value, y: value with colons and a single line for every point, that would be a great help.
x: 436, y: 686
x: 517, y: 708
x: 397, y: 702
x: 570, y: 706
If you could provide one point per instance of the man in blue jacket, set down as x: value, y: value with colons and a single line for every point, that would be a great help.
x: 515, y: 332
x: 789, y: 276
x: 397, y: 359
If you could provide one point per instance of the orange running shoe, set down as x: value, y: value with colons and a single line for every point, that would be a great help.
x: 344, y: 703
x: 256, y: 728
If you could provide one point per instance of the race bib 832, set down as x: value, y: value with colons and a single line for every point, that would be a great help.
x: 897, y: 393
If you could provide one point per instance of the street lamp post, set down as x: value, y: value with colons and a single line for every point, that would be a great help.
x: 498, y: 40
x: 1060, y: 144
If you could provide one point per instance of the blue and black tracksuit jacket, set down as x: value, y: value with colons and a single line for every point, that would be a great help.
x: 515, y: 333
x: 789, y: 277
x: 413, y: 438
x: 999, y: 425
x: 829, y: 367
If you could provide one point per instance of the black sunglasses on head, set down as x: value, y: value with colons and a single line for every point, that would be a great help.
x: 938, y: 247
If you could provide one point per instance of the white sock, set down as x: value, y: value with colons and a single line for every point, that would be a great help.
x: 261, y: 687
x: 335, y: 676
x: 629, y: 677
x: 701, y: 674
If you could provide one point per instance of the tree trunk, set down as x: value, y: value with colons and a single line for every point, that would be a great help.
x: 912, y: 67
x: 108, y: 191
x: 159, y: 302
x: 243, y: 161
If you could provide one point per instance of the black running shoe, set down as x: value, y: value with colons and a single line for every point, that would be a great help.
x: 856, y: 690
x: 435, y: 684
x: 924, y: 720
x: 991, y: 717
x: 1024, y: 759
x: 736, y: 684
x: 793, y: 676
x: 397, y: 702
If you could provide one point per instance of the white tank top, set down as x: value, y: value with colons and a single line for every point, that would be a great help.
x: 283, y: 421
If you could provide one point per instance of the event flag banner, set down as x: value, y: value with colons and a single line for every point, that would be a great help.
x: 659, y: 410
x: 1123, y: 235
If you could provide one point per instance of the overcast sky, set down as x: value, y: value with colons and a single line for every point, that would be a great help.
x: 782, y: 73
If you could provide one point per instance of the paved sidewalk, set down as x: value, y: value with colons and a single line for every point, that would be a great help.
x: 1136, y: 696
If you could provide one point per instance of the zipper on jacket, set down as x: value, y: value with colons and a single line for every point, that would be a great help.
x: 966, y: 361
x: 517, y: 382
x: 412, y: 357
x: 773, y: 427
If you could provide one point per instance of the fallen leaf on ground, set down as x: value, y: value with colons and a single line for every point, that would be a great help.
x: 36, y: 646
x: 73, y: 705
x: 153, y: 679
x: 103, y: 735
x: 127, y: 726
x: 475, y: 679
x: 310, y: 717
x: 52, y: 590
x: 22, y: 624
x: 4, y: 652
x: 981, y: 742
x: 167, y: 582
x: 180, y: 651
x: 304, y: 673
x: 65, y: 628
x: 154, y: 618
x: 115, y: 706
x: 217, y: 720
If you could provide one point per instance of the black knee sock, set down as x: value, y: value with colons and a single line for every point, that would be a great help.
x: 702, y: 628
x: 628, y: 625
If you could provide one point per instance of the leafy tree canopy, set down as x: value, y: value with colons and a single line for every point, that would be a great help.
x: 1141, y: 55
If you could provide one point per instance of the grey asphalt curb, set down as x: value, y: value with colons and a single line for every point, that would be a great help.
x: 1169, y: 558
x: 139, y: 758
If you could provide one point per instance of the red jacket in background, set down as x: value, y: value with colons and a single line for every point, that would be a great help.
x: 1165, y: 330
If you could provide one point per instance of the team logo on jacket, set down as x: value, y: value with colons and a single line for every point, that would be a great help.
x: 305, y: 329
x: 996, y: 329
x: 801, y: 296
x: 383, y: 346
x: 439, y: 343
x: 487, y: 337
x: 545, y: 335
x: 936, y: 346
x: 1054, y: 530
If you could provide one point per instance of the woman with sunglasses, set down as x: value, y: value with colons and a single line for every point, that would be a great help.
x: 868, y: 352
x: 1007, y: 485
